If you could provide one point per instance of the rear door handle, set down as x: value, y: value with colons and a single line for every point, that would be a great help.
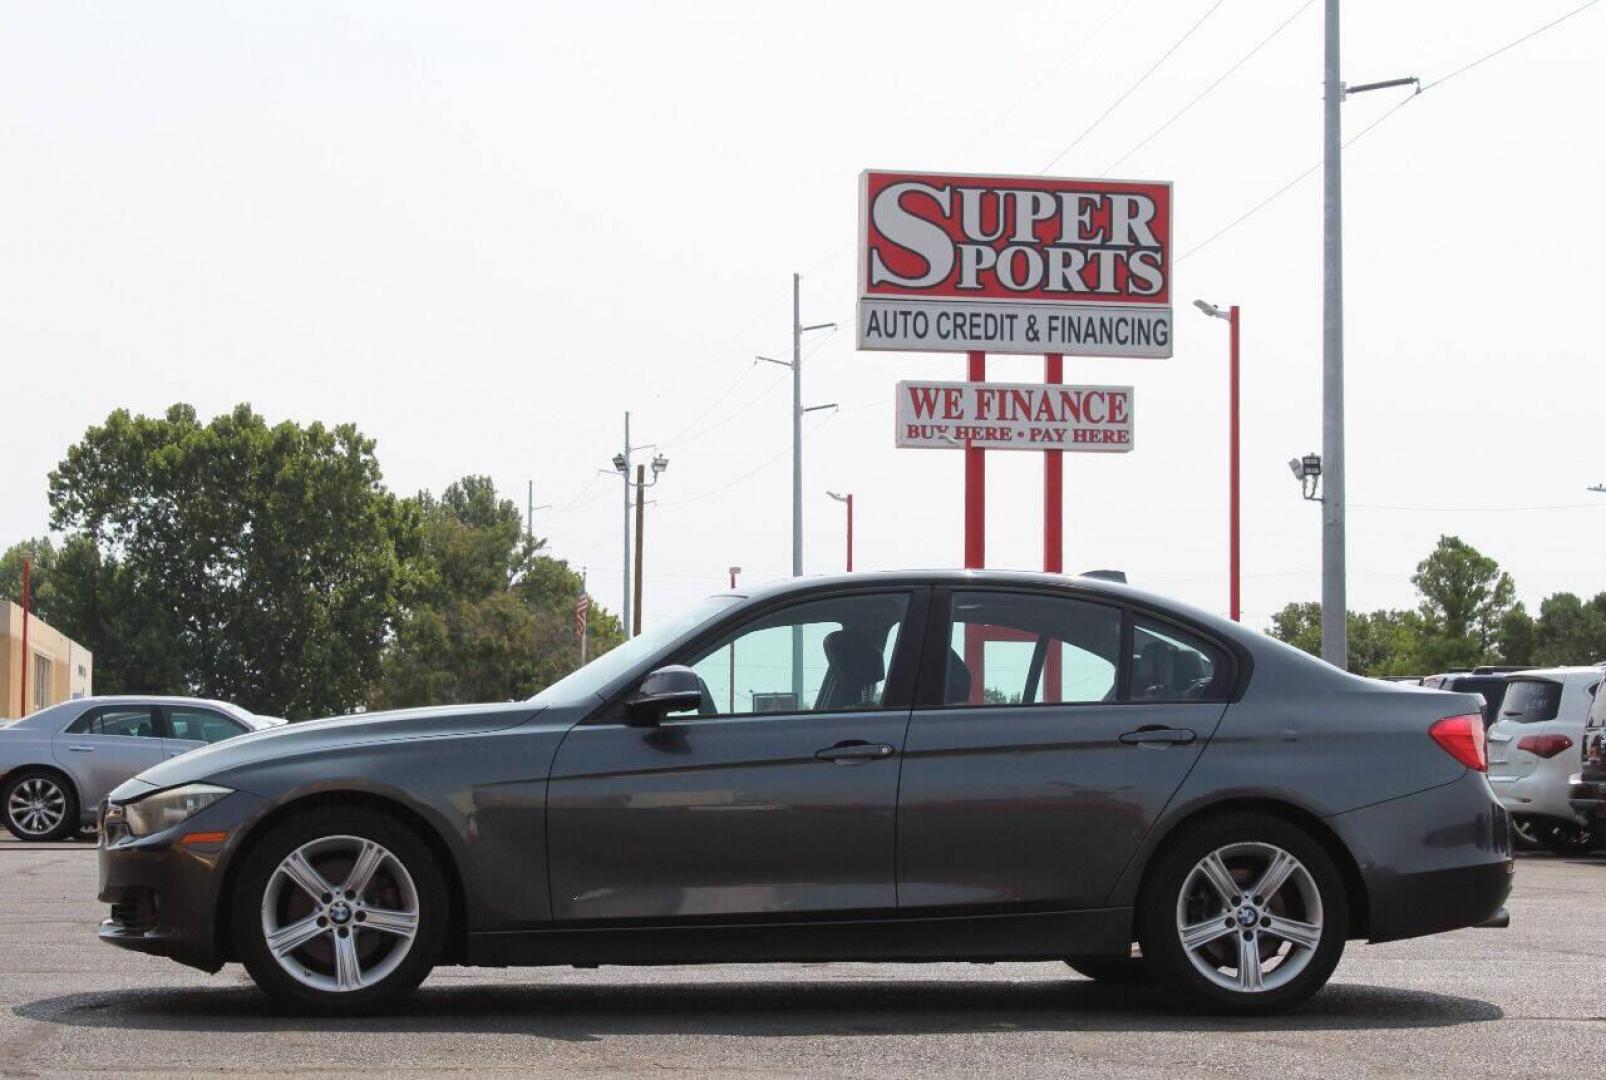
x: 83, y: 749
x: 1158, y: 736
x: 855, y: 752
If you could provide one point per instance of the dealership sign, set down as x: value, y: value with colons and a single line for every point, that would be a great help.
x: 1015, y: 416
x: 1014, y: 264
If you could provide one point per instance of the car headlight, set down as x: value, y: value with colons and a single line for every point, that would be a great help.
x: 165, y: 809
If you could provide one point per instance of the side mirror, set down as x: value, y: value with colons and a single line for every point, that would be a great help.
x: 666, y: 690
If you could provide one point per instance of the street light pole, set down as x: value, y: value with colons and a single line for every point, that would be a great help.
x: 1234, y: 518
x: 848, y: 499
x: 1335, y: 604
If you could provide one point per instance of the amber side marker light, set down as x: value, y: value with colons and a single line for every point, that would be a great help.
x: 204, y: 838
x: 1462, y: 738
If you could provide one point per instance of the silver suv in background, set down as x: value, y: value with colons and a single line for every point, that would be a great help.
x: 1534, y: 750
x: 58, y: 763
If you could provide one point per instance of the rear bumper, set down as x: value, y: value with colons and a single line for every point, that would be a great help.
x: 1433, y: 861
x: 1541, y: 793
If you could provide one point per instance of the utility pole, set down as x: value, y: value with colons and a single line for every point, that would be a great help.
x: 529, y: 512
x: 622, y: 463
x: 1335, y: 604
x: 641, y: 519
x: 22, y: 707
x: 796, y: 364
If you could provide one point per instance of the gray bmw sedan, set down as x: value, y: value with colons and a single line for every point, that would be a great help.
x: 878, y: 767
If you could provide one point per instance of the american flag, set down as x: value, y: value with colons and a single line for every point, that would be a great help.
x: 581, y: 606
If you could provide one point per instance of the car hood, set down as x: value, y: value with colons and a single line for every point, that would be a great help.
x: 320, y: 735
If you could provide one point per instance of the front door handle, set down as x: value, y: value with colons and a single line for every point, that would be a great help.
x: 1158, y: 736
x: 855, y: 752
x: 83, y: 749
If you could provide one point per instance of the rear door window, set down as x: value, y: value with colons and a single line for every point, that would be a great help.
x: 133, y: 721
x: 1031, y: 649
x: 1531, y: 701
x: 1169, y: 664
x: 201, y: 725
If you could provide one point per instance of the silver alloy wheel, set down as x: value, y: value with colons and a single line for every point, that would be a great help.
x: 1249, y: 916
x: 340, y: 913
x: 37, y: 805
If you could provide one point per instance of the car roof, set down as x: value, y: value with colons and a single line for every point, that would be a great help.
x: 1566, y: 674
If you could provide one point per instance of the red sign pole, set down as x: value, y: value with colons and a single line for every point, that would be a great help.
x: 975, y: 535
x: 1053, y: 523
x: 1232, y: 467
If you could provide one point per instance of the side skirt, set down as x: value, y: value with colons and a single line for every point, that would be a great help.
x: 1030, y: 936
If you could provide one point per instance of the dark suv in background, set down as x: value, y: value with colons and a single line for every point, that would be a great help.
x: 1488, y: 680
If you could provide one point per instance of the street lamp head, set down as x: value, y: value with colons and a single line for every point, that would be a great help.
x: 1310, y: 465
x: 659, y: 464
x: 620, y: 464
x: 736, y: 570
x: 1211, y: 310
x: 838, y: 498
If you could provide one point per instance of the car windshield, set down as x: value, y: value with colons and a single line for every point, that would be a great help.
x: 590, y: 680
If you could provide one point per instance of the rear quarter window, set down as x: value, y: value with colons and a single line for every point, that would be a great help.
x: 1531, y: 701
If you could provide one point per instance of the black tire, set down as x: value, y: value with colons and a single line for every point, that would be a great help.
x: 1164, y: 907
x: 1565, y: 838
x: 1112, y: 970
x: 262, y: 862
x: 59, y: 787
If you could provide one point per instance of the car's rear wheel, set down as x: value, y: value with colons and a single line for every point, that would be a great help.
x: 1243, y: 913
x: 340, y: 912
x: 39, y: 805
x: 1562, y: 837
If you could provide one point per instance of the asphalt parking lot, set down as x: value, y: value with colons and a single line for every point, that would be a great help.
x: 1527, y: 1001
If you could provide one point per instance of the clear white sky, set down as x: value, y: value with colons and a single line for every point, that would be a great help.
x: 483, y: 231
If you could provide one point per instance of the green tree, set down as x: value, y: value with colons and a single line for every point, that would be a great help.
x: 1465, y: 595
x: 1381, y: 642
x: 489, y: 616
x: 1517, y: 638
x: 231, y: 559
x: 41, y: 576
x: 1570, y: 630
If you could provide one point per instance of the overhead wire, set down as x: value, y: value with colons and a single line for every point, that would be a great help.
x: 1402, y: 103
x: 1201, y: 95
x: 1186, y: 34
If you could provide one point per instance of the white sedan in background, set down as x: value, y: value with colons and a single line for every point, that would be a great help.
x: 58, y: 763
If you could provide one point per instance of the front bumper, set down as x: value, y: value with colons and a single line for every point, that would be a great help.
x: 164, y: 895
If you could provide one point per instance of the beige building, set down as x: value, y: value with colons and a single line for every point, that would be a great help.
x: 58, y: 668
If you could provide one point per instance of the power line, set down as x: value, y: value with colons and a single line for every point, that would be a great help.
x: 766, y: 463
x: 1511, y: 44
x: 1223, y: 77
x: 1481, y: 509
x: 1269, y: 199
x: 1133, y: 88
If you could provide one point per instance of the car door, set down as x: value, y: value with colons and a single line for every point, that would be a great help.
x: 190, y: 727
x: 1049, y: 733
x: 778, y: 796
x: 107, y: 745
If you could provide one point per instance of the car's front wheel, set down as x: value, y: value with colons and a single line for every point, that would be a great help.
x: 39, y: 805
x: 340, y: 911
x: 1243, y: 913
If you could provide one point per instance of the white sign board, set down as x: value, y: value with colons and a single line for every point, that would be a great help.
x: 1015, y: 416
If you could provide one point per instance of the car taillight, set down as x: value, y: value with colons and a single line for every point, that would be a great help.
x: 1462, y: 738
x: 1545, y: 746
